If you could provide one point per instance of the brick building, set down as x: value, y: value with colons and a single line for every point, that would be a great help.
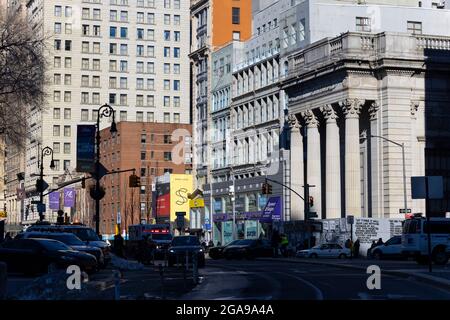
x: 151, y: 149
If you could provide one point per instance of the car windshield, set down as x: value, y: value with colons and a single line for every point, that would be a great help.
x: 234, y: 242
x: 84, y: 234
x: 53, y: 245
x: 162, y: 236
x: 69, y: 239
x: 245, y: 242
x: 185, y: 241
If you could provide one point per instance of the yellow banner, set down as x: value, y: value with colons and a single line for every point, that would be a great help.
x: 197, y: 203
x: 3, y: 214
x: 180, y: 186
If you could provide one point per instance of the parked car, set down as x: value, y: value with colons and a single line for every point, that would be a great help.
x: 33, y: 256
x: 217, y: 252
x: 248, y: 248
x: 71, y: 240
x: 186, y: 244
x: 327, y: 250
x: 390, y: 249
x: 85, y: 233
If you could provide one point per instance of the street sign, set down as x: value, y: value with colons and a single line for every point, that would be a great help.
x: 41, y: 185
x: 404, y: 211
x: 433, y: 184
x: 197, y: 203
x: 350, y: 219
x: 85, y: 148
x: 35, y: 202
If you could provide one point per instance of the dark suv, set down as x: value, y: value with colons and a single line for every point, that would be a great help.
x: 186, y: 245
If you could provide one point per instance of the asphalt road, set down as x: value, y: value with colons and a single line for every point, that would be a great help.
x: 273, y: 280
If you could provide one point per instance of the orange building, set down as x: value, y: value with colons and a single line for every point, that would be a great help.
x: 232, y: 19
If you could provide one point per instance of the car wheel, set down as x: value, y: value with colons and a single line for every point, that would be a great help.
x: 313, y: 255
x: 377, y: 255
x: 342, y: 256
x: 440, y: 257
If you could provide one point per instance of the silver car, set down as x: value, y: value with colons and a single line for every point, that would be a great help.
x: 327, y: 250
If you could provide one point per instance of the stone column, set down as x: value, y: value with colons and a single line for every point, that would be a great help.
x: 332, y: 163
x: 297, y: 176
x: 313, y: 161
x: 417, y: 149
x: 352, y: 109
x: 376, y: 164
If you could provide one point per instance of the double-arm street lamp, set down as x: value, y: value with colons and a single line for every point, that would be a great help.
x: 401, y: 145
x: 104, y: 111
x: 47, y: 151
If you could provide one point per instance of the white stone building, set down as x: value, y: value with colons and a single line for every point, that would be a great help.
x: 132, y: 55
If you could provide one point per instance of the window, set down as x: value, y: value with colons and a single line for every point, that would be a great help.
x: 97, y: 14
x: 140, y: 17
x: 84, y: 115
x: 150, y: 84
x: 167, y: 19
x: 124, y: 16
x: 56, y: 78
x: 150, y: 67
x: 85, y: 64
x: 236, y: 35
x: 67, y: 79
x: 85, y: 30
x: 56, y: 131
x: 166, y: 68
x: 150, y: 100
x: 415, y: 27
x: 57, y: 27
x: 140, y: 34
x: 143, y: 155
x: 96, y: 81
x: 85, y: 81
x: 167, y: 139
x: 176, y: 20
x: 67, y: 148
x: 67, y: 113
x: 236, y: 15
x: 140, y: 100
x: 139, y: 116
x: 139, y: 83
x: 143, y: 138
x: 123, y: 100
x: 140, y: 50
x: 56, y: 165
x: 123, y: 49
x: 96, y: 47
x: 150, y: 51
x: 68, y: 28
x: 67, y: 96
x: 168, y: 156
x: 150, y: 18
x: 176, y: 85
x: 85, y: 98
x: 166, y: 101
x: 113, y: 15
x: 166, y: 117
x: 150, y: 34
x: 167, y: 4
x: 66, y: 165
x: 112, y: 32
x: 56, y: 113
x: 112, y: 82
x: 96, y: 98
x: 123, y: 116
x: 56, y: 147
x: 112, y: 98
x: 166, y: 35
x: 176, y: 52
x: 67, y: 131
x: 68, y: 45
x: 86, y: 13
x: 177, y: 36
x: 139, y: 67
x: 150, y: 117
x: 57, y: 62
x: 143, y: 172
x: 57, y: 11
x: 176, y: 117
x: 176, y: 68
x: 166, y: 52
x: 123, y: 66
x: 94, y: 115
x: 96, y: 64
x: 166, y: 84
x: 85, y: 47
x: 123, y: 32
x: 363, y: 24
x: 97, y: 31
x: 176, y: 102
x: 57, y: 45
x: 57, y: 96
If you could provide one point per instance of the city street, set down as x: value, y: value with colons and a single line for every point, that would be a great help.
x: 273, y: 280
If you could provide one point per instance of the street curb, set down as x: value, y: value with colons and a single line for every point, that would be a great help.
x: 435, y: 281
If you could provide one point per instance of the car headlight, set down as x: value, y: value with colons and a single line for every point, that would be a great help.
x: 172, y: 251
x: 200, y: 250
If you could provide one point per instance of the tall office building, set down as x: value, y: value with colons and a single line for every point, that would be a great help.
x: 132, y: 55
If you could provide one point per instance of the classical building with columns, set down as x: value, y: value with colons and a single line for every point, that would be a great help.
x: 347, y: 92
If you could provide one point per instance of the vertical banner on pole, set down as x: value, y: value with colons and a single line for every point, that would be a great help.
x: 85, y: 148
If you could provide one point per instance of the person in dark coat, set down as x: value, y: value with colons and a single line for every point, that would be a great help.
x: 276, y: 239
x: 356, y: 246
x: 118, y: 245
x: 369, y: 251
x: 380, y: 242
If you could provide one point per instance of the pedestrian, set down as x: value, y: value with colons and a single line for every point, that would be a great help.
x: 118, y: 245
x: 356, y: 248
x: 380, y: 242
x: 347, y: 244
x: 284, y: 244
x: 210, y: 243
x: 275, y: 241
x: 369, y: 251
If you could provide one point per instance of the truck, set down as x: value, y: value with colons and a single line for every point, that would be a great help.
x: 415, y: 239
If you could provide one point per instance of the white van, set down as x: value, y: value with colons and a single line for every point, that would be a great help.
x: 415, y: 239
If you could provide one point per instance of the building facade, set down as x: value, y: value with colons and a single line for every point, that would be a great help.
x: 152, y: 149
x: 132, y: 55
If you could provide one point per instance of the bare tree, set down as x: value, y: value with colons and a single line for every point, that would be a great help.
x: 22, y: 76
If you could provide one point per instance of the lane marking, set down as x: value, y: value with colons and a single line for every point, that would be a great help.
x: 318, y: 293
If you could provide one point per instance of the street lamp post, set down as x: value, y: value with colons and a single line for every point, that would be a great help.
x: 401, y: 145
x: 44, y: 152
x: 104, y: 111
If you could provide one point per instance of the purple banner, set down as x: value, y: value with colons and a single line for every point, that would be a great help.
x: 53, y: 199
x: 69, y: 197
x: 273, y: 210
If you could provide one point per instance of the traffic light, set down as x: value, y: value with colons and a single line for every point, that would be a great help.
x: 83, y: 183
x: 134, y: 181
x: 264, y: 188
x: 269, y: 188
x: 311, y: 201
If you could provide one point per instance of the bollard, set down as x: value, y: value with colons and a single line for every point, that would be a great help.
x: 3, y: 280
x: 116, y: 285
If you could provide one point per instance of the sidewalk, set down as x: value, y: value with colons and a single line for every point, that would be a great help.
x: 440, y: 277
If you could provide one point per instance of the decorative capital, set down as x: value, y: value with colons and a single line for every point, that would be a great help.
x: 293, y: 121
x: 310, y: 119
x: 328, y: 112
x: 351, y: 107
x: 373, y: 110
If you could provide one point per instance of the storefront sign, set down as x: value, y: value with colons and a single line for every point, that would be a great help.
x: 273, y: 210
x: 54, y: 200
